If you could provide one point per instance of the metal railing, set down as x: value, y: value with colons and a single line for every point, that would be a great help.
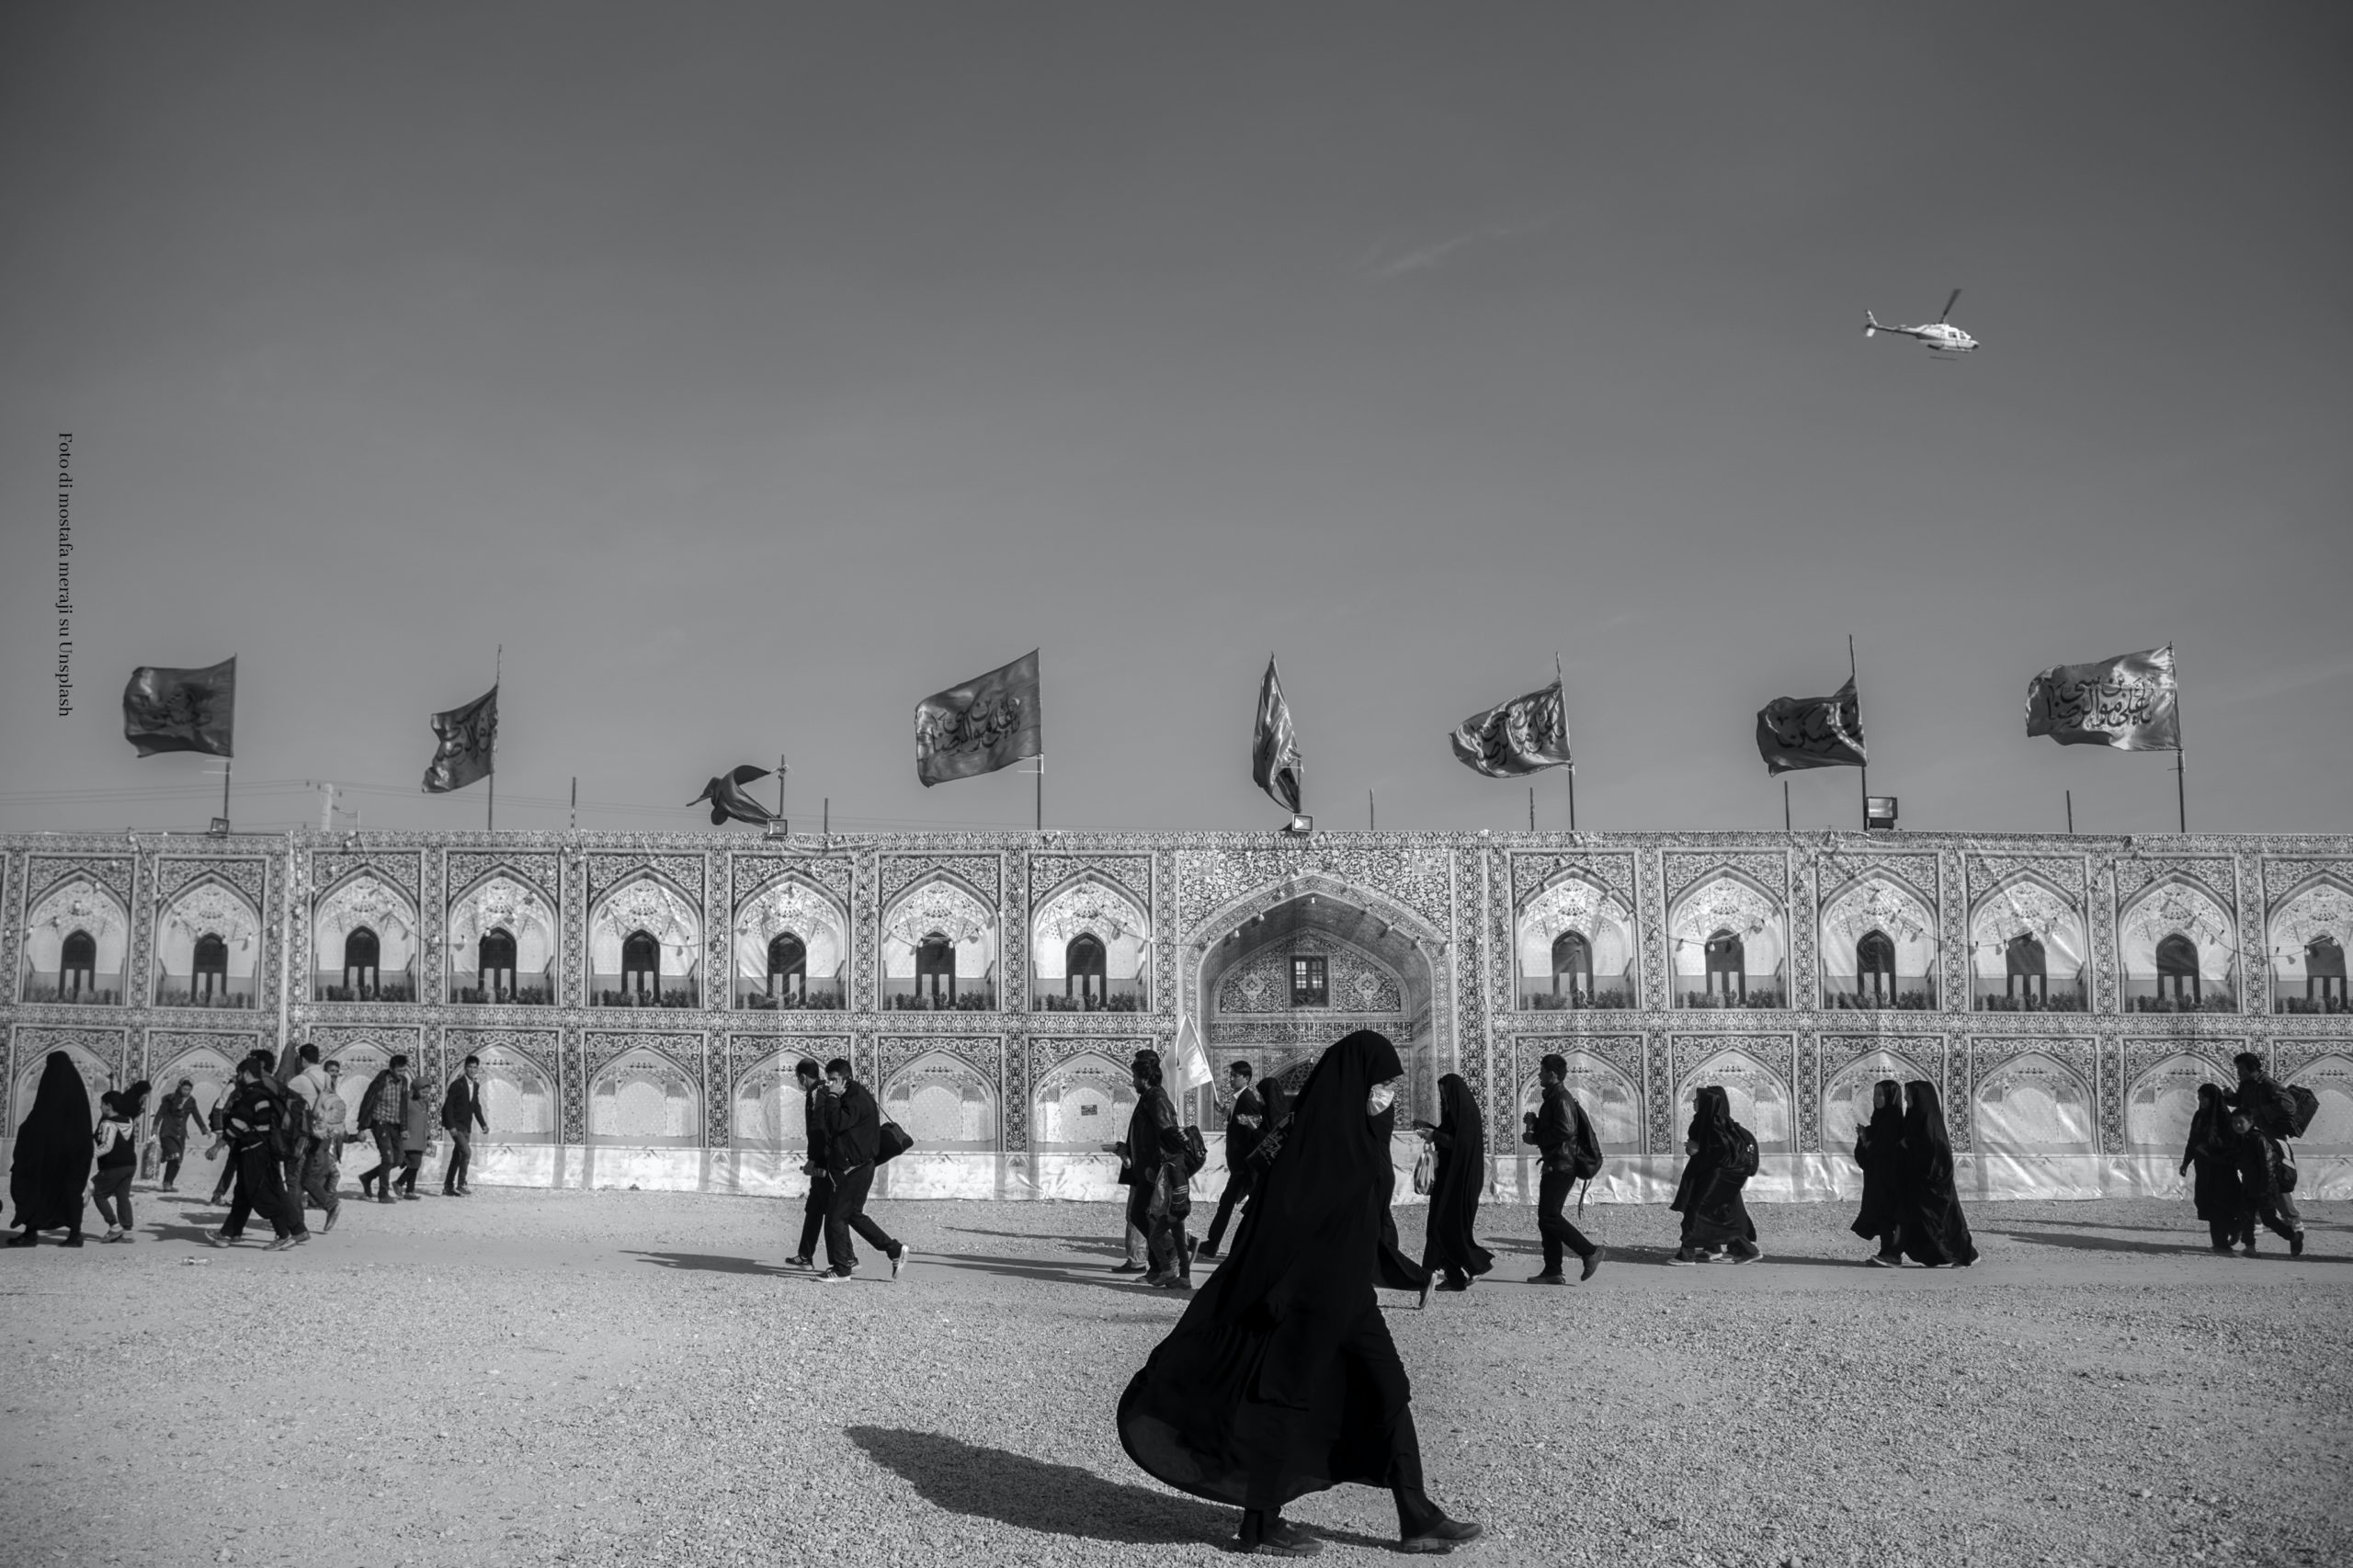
x: 1899, y: 993
x: 975, y: 996
x: 2149, y: 994
x: 821, y: 996
x: 2012, y: 995
x: 1567, y: 993
x: 80, y: 996
x: 1760, y: 993
x: 178, y: 991
x: 1098, y: 995
x: 607, y: 991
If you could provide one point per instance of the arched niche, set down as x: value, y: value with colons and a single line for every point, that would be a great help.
x: 943, y: 1102
x: 2178, y: 949
x: 1846, y: 1097
x: 645, y: 906
x: 2310, y: 931
x: 96, y: 1078
x: 1760, y: 1100
x: 1878, y: 913
x: 1611, y: 1099
x: 363, y: 902
x: 2027, y: 912
x: 2033, y: 1106
x: 76, y: 907
x: 1575, y: 914
x: 2162, y: 1101
x: 208, y: 917
x: 1355, y: 983
x: 519, y: 1096
x: 1085, y: 909
x: 939, y: 911
x: 769, y: 1113
x: 2330, y: 1078
x: 789, y: 906
x: 642, y: 1099
x: 1725, y: 907
x: 502, y: 908
x: 211, y: 1076
x: 1082, y: 1104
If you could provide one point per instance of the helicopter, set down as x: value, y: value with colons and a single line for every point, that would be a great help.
x: 1938, y: 335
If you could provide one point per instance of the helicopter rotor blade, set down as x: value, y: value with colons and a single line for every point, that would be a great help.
x: 1950, y: 304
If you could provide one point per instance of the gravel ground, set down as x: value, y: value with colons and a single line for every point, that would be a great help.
x: 527, y: 1377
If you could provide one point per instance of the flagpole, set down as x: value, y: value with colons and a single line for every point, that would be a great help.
x: 1561, y: 687
x: 1785, y: 806
x: 575, y: 802
x: 1852, y: 675
x: 780, y: 771
x: 228, y: 766
x: 2180, y: 789
x: 499, y: 674
x: 1042, y: 793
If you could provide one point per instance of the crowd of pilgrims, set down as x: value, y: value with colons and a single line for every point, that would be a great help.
x: 279, y: 1131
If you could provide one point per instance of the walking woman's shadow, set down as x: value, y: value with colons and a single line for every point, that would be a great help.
x: 1053, y: 1499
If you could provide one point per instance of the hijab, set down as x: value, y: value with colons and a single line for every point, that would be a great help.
x: 2207, y: 1127
x: 53, y: 1149
x: 1461, y: 1175
x: 1712, y: 1122
x: 1924, y: 1121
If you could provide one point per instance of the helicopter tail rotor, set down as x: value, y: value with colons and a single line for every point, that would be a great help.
x: 1950, y: 304
x: 1870, y: 324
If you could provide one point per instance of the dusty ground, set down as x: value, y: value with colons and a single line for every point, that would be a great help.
x: 632, y: 1378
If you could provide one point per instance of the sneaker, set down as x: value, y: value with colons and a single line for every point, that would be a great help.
x: 1444, y: 1536
x: 2296, y: 1244
x: 386, y: 1197
x: 410, y: 1197
x: 1176, y: 1282
x: 114, y: 1234
x: 1885, y: 1260
x: 329, y: 1223
x: 72, y: 1240
x: 1127, y: 1268
x: 899, y: 1260
x: 1592, y: 1262
x: 217, y: 1239
x: 1288, y: 1541
x: 168, y: 1187
x: 800, y: 1260
x: 1683, y: 1257
x: 1550, y: 1276
x: 288, y: 1243
x: 1204, y: 1252
x: 1936, y: 1265
x: 830, y: 1278
x: 126, y: 1238
x: 465, y: 1191
x: 1453, y: 1285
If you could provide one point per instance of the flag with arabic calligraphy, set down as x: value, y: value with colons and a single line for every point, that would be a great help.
x: 1527, y: 734
x: 985, y: 724
x: 2127, y: 703
x: 466, y: 748
x: 1275, y: 761
x: 167, y: 709
x: 1813, y: 731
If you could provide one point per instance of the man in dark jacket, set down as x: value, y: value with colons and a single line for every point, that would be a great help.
x: 257, y: 1111
x: 462, y: 1116
x: 853, y: 1125
x: 821, y: 1181
x: 171, y: 1128
x: 1245, y: 1125
x: 2270, y: 1111
x: 1553, y: 1129
x: 1140, y: 1155
x: 381, y: 1111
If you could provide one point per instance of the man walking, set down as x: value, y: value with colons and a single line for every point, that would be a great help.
x: 256, y: 1128
x: 381, y: 1110
x: 323, y: 1170
x: 172, y: 1118
x: 1558, y: 1128
x: 303, y: 1092
x: 2270, y: 1110
x: 853, y: 1137
x: 821, y: 1180
x: 1245, y: 1125
x: 1140, y: 1155
x: 462, y: 1116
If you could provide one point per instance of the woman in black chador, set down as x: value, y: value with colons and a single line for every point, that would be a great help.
x: 1933, y: 1232
x: 1461, y: 1147
x: 1280, y: 1379
x: 2215, y: 1189
x: 1394, y: 1270
x: 54, y: 1154
x: 1722, y: 1157
x: 1879, y: 1148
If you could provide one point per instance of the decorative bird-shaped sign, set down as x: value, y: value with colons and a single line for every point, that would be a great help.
x: 727, y: 799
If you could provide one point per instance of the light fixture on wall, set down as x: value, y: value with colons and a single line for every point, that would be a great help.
x: 1879, y: 812
x: 1300, y: 825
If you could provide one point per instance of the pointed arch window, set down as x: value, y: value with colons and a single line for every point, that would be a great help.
x: 788, y: 966
x: 641, y: 966
x: 362, y: 954
x: 1085, y: 974
x: 1875, y: 967
x: 2177, y: 969
x: 78, y: 965
x: 1572, y: 963
x: 1728, y: 958
x: 2324, y: 969
x: 495, y: 963
x: 2025, y: 969
x: 935, y: 969
x: 210, y: 977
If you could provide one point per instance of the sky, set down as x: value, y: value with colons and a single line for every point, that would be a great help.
x: 750, y: 373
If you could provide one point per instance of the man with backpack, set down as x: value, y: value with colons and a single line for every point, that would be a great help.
x: 1570, y: 1152
x: 260, y: 1131
x: 1182, y: 1152
x: 2277, y: 1113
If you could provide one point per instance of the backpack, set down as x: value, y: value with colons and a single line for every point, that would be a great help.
x: 2305, y: 1105
x: 1584, y: 1150
x: 1197, y: 1151
x: 890, y: 1140
x: 1742, y: 1163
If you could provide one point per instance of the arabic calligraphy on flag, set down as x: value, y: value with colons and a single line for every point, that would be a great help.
x: 987, y: 722
x: 2127, y: 703
x: 1527, y: 734
x: 1275, y: 761
x: 468, y: 747
x: 167, y: 709
x: 1813, y: 731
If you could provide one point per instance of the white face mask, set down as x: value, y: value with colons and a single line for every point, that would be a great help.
x: 1383, y: 1097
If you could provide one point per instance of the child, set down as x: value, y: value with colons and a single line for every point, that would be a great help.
x: 2258, y: 1183
x: 117, y: 1138
x: 1170, y: 1206
x: 416, y: 1135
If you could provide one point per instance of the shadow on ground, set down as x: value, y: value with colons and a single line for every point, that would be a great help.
x: 1053, y: 1499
